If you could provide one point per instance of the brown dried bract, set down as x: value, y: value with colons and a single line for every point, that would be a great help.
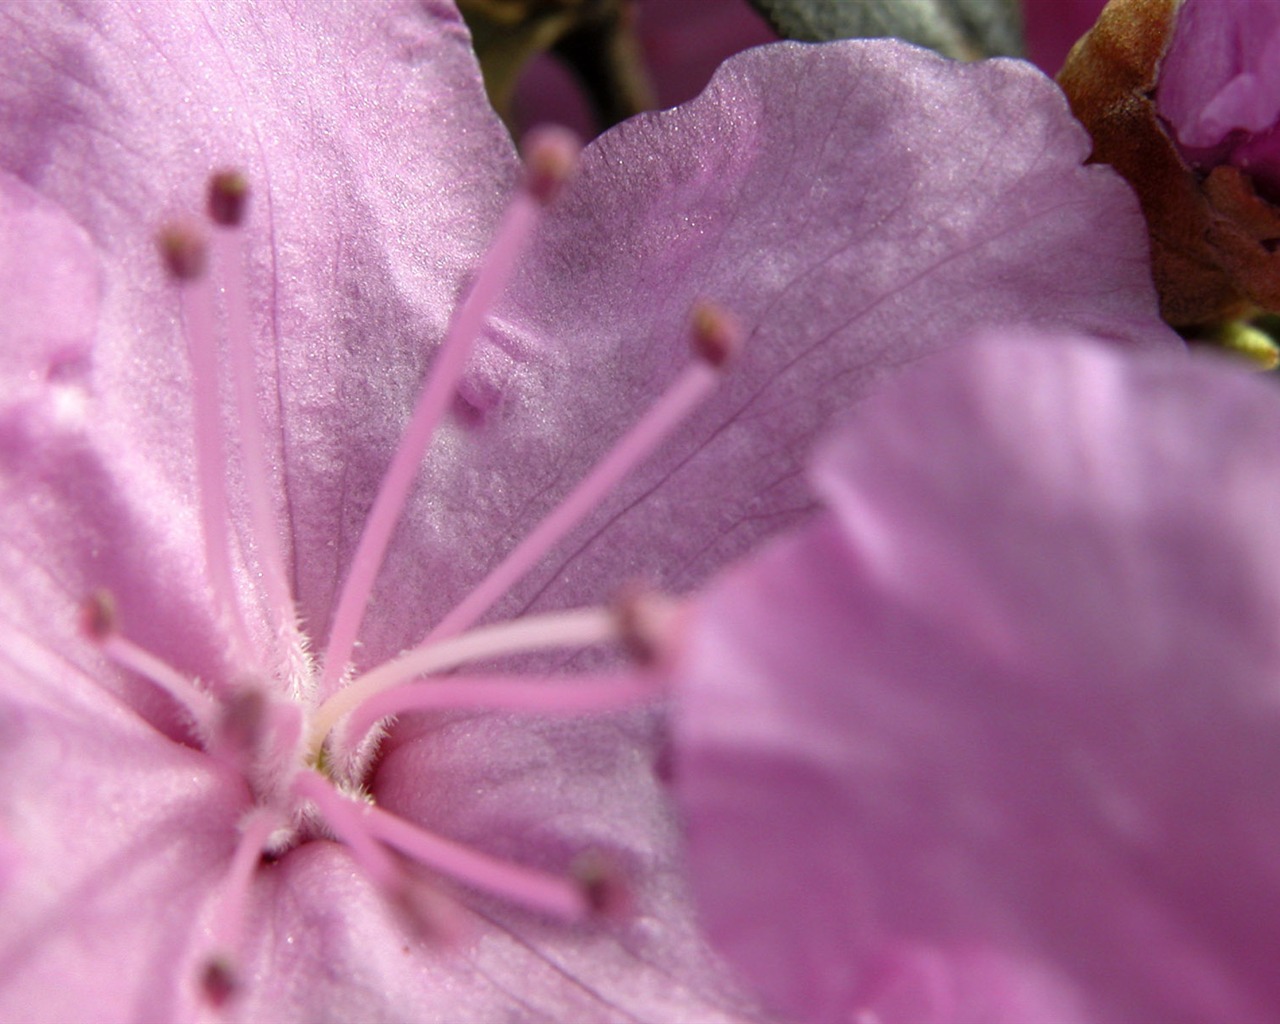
x: 1212, y: 237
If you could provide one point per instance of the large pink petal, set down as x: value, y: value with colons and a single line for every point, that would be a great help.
x: 857, y: 205
x: 1011, y: 702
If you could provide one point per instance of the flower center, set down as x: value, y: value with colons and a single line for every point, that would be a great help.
x: 304, y: 738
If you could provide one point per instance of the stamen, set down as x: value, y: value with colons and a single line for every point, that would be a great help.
x: 550, y: 158
x: 578, y: 628
x: 99, y: 619
x: 183, y: 250
x: 220, y: 974
x: 537, y: 890
x: 185, y: 253
x: 576, y: 696
x: 228, y: 198
x: 715, y: 338
x: 348, y: 821
x: 241, y: 726
x: 512, y: 235
x: 227, y: 204
x: 604, y: 885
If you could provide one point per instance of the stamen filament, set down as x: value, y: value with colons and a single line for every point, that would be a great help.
x: 211, y: 464
x: 537, y: 890
x: 345, y: 816
x: 688, y: 390
x: 200, y: 705
x: 229, y: 260
x: 577, y: 628
x: 221, y: 966
x: 573, y: 696
x: 513, y: 233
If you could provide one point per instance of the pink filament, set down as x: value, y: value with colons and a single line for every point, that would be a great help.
x: 537, y: 890
x: 688, y: 390
x: 577, y: 696
x: 211, y: 464
x: 201, y: 706
x: 512, y: 234
x: 348, y: 822
x: 576, y: 628
x: 229, y: 257
x: 228, y: 922
x: 364, y: 828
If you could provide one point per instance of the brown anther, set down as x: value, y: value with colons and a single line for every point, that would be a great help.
x: 550, y: 157
x: 218, y: 981
x: 184, y: 251
x: 228, y: 198
x: 98, y: 616
x: 603, y: 885
x: 646, y: 623
x: 716, y: 336
x: 242, y: 721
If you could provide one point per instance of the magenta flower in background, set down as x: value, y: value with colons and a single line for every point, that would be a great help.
x: 1183, y: 100
x: 1051, y: 28
x: 1219, y: 87
x: 682, y: 44
x: 895, y: 203
x: 996, y: 736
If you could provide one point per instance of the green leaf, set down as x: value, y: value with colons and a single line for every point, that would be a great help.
x: 964, y: 29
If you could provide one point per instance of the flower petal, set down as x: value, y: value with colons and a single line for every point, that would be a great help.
x: 856, y: 205
x: 1014, y: 695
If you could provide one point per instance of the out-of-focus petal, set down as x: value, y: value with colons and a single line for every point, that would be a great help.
x: 1011, y: 701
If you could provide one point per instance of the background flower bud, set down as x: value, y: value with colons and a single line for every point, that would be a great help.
x: 1182, y: 99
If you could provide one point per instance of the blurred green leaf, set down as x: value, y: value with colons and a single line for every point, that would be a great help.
x: 964, y: 29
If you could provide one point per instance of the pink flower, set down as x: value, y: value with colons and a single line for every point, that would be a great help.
x: 681, y: 45
x: 1219, y: 87
x: 1052, y: 27
x: 147, y: 765
x: 1182, y: 98
x: 996, y: 737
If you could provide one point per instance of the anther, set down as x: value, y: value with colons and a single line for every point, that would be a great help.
x: 550, y: 158
x: 716, y: 335
x: 646, y: 623
x: 228, y: 198
x: 184, y: 250
x: 218, y: 982
x: 101, y: 624
x: 242, y: 723
x: 603, y: 885
x: 98, y: 616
